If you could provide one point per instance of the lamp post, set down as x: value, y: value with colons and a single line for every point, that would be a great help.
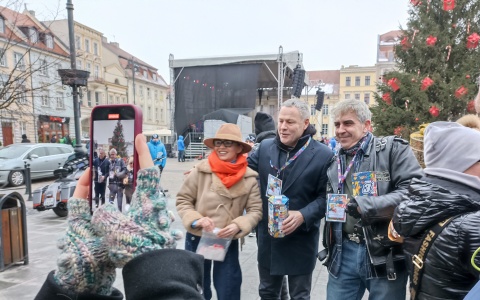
x: 74, y: 78
x: 134, y: 67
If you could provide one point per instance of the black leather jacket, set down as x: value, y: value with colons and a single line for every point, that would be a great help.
x: 448, y: 273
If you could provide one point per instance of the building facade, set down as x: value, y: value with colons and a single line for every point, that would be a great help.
x: 358, y: 83
x: 386, y: 52
x: 32, y: 99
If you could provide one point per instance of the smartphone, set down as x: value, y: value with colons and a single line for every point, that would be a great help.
x: 112, y: 156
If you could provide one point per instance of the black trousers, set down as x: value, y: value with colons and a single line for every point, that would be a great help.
x: 100, y: 188
x: 271, y: 285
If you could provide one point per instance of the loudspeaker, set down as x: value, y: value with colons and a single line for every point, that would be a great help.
x: 298, y: 81
x: 320, y: 99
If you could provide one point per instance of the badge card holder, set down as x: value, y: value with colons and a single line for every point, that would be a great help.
x: 336, y: 205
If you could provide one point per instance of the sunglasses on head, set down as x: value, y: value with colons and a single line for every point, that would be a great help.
x: 218, y: 143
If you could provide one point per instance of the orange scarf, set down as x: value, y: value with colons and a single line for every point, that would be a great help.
x: 229, y: 173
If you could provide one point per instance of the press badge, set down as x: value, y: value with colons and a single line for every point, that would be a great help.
x: 336, y: 205
x: 364, y: 184
x: 274, y: 186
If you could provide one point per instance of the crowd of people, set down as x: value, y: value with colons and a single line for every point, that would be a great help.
x: 395, y: 221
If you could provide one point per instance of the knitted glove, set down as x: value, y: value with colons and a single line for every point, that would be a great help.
x: 83, y: 265
x: 146, y: 226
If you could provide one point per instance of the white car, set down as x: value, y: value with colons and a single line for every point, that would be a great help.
x: 42, y: 158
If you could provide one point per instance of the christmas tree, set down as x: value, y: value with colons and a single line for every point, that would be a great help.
x: 438, y: 64
x: 118, y: 140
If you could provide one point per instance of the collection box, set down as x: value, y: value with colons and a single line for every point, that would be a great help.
x: 277, y: 213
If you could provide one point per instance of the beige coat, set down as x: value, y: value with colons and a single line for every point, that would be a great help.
x: 204, y: 195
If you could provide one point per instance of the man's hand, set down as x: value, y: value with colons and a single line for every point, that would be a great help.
x: 292, y: 222
x: 353, y: 209
x: 206, y: 223
x: 228, y: 231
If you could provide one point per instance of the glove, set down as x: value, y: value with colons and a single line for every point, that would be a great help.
x: 352, y: 209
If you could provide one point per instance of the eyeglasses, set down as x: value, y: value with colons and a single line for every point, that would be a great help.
x: 218, y: 143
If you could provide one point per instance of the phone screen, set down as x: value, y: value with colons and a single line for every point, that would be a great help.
x: 112, y: 150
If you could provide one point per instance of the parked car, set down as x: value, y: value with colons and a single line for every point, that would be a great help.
x: 43, y: 160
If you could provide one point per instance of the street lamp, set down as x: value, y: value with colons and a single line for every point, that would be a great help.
x: 74, y: 78
x: 132, y: 65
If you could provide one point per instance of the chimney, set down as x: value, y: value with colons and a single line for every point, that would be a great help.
x: 115, y: 44
x: 32, y: 12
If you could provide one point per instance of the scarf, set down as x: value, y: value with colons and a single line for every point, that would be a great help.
x: 229, y: 173
x: 352, y: 151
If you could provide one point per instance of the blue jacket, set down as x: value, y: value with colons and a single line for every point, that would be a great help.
x: 304, y: 183
x: 156, y: 148
x: 180, y: 144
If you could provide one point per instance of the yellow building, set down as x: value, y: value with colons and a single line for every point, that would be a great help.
x: 358, y: 83
x: 328, y: 82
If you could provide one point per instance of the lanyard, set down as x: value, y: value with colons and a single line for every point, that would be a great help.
x: 341, y: 178
x: 291, y: 159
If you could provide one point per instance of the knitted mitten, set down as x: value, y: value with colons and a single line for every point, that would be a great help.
x: 83, y: 265
x: 145, y: 227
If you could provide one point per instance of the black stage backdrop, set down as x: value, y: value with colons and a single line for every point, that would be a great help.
x: 202, y: 90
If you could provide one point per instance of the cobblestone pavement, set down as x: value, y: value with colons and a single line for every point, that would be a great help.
x: 45, y: 228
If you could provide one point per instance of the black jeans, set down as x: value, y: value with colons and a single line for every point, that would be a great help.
x: 100, y: 188
x: 271, y: 285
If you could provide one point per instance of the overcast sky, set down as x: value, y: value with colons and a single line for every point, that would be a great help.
x: 328, y: 33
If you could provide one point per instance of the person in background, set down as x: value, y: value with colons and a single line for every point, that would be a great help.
x: 449, y: 194
x: 158, y: 152
x: 25, y: 139
x: 92, y: 247
x: 333, y: 144
x: 67, y: 140
x: 101, y: 167
x: 181, y: 149
x: 53, y: 139
x: 388, y: 164
x: 128, y: 183
x: 117, y: 171
x: 215, y: 195
x: 61, y: 139
x: 264, y: 127
x: 300, y: 163
x: 250, y: 140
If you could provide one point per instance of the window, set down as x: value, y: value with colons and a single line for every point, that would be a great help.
x: 357, y: 96
x: 148, y: 92
x: 58, y: 66
x: 312, y: 109
x: 347, y: 96
x: 366, y: 98
x: 117, y: 81
x: 95, y: 48
x: 124, y: 100
x: 145, y: 73
x: 325, y: 109
x: 23, y: 126
x: 89, y: 98
x: 149, y: 113
x: 357, y: 80
x: 97, y: 98
x: 154, y: 76
x: 89, y: 67
x: 161, y: 115
x: 156, y: 113
x: 110, y: 99
x: 96, y: 72
x: 18, y: 61
x: 117, y: 99
x: 43, y: 67
x: 155, y: 93
x: 79, y: 65
x: 78, y: 43
x: 49, y: 41
x: 141, y: 90
x: 87, y: 45
x: 3, y: 57
x: 324, y: 129
x: 22, y: 95
x: 45, y: 100
x: 33, y: 35
x: 41, y: 151
x: 367, y: 80
x: 348, y: 81
x: 59, y: 100
x: 2, y: 25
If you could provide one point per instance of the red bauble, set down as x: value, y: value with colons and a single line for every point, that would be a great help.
x: 467, y: 76
x: 448, y: 5
x: 386, y: 97
x: 426, y: 83
x: 472, y: 40
x: 454, y: 25
x: 405, y: 43
x: 461, y: 91
x: 398, y: 130
x: 431, y: 40
x: 416, y: 119
x: 471, y: 106
x: 394, y: 83
x: 415, y: 2
x: 434, y: 111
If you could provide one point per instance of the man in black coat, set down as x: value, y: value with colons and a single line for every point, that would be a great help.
x: 449, y: 194
x: 300, y: 163
x: 101, y: 167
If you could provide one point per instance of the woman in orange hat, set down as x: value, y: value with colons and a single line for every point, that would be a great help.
x: 213, y: 198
